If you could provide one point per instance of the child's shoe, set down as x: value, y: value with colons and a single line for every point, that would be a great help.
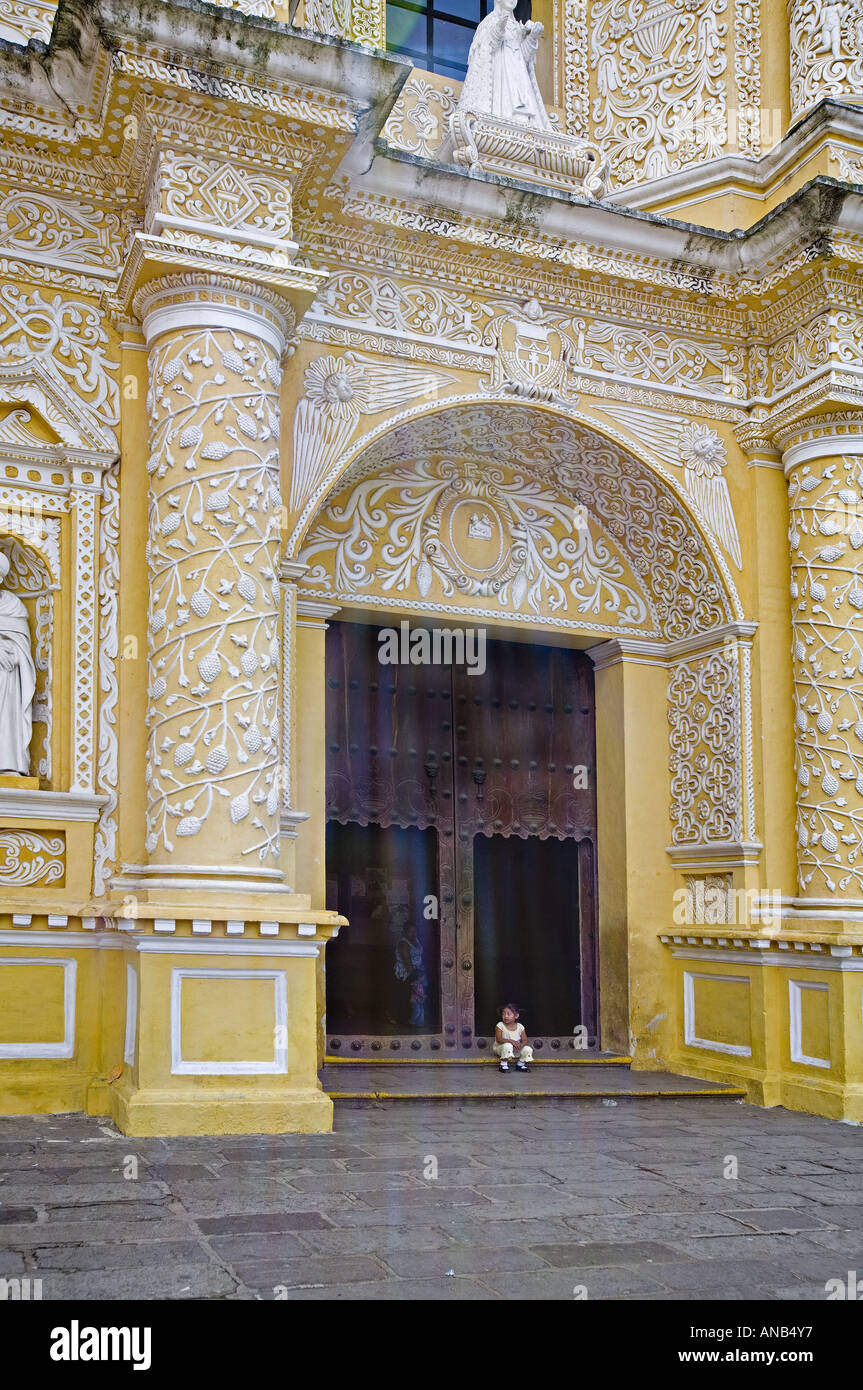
x: 504, y: 1066
x: 521, y: 1066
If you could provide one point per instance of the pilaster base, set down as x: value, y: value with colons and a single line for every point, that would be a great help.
x: 247, y: 1110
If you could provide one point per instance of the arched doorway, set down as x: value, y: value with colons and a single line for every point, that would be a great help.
x: 555, y: 541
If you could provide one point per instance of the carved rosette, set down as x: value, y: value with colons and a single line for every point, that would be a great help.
x: 212, y: 555
x: 825, y: 479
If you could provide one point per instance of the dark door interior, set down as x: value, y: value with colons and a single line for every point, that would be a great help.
x: 461, y: 807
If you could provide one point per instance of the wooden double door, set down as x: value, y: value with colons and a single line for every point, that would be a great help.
x: 461, y: 846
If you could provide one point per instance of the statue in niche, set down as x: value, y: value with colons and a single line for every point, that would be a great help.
x: 17, y: 681
x: 500, y: 80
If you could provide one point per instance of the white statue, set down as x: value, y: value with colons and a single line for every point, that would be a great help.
x: 500, y: 78
x: 17, y: 681
x: 832, y: 15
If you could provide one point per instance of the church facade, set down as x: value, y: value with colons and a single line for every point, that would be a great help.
x: 440, y: 535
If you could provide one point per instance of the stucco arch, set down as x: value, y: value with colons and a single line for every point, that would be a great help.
x: 586, y: 460
x: 674, y: 741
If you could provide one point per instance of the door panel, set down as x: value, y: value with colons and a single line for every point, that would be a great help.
x: 521, y: 731
x: 379, y: 877
x: 526, y: 937
x: 482, y: 768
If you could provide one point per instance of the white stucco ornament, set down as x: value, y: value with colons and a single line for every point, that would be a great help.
x: 17, y: 681
x: 500, y: 124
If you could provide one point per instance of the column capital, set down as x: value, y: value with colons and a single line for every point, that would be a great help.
x: 312, y: 612
x: 290, y: 571
x: 758, y: 444
x: 821, y: 436
x: 176, y: 302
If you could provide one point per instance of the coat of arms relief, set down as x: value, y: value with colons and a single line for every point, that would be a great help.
x: 533, y: 353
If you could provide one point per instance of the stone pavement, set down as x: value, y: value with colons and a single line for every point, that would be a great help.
x: 534, y: 1199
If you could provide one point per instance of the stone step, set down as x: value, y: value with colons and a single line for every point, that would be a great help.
x: 604, y: 1078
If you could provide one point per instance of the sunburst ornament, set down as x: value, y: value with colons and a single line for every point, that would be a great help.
x: 336, y: 388
x: 702, y: 454
x: 338, y: 392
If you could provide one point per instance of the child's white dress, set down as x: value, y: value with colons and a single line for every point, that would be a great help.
x: 504, y: 1050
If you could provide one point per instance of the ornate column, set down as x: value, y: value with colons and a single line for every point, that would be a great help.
x: 213, y: 759
x: 823, y: 460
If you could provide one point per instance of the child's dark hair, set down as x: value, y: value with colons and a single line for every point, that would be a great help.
x: 509, y: 1005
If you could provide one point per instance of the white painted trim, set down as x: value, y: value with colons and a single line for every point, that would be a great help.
x: 131, y: 1015
x: 279, y: 1064
x: 736, y: 173
x: 62, y: 806
x: 823, y: 907
x: 148, y: 945
x: 66, y: 1048
x: 827, y: 445
x: 69, y: 940
x: 646, y: 652
x: 719, y: 955
x: 795, y: 1022
x: 708, y: 858
x: 690, y: 1037
x: 315, y: 611
x: 187, y: 945
x: 228, y: 234
x: 199, y: 313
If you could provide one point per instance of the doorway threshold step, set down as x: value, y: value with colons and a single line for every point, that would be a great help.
x: 586, y: 1059
x: 355, y: 1080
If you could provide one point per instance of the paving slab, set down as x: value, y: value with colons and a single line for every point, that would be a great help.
x: 462, y: 1260
x: 626, y: 1201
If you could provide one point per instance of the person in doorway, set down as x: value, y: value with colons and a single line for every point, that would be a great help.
x: 510, y: 1040
x: 410, y: 969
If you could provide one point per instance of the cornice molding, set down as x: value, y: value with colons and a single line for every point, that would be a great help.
x: 640, y: 652
x: 48, y: 805
x: 754, y: 178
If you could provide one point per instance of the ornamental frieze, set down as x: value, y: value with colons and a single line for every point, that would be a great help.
x: 31, y: 858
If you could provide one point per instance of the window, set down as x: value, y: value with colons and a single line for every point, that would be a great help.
x: 438, y: 36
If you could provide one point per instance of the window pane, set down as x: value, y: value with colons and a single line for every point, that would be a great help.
x: 471, y: 10
x: 456, y: 71
x: 451, y: 42
x: 405, y: 29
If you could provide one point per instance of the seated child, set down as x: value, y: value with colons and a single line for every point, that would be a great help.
x: 510, y: 1040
